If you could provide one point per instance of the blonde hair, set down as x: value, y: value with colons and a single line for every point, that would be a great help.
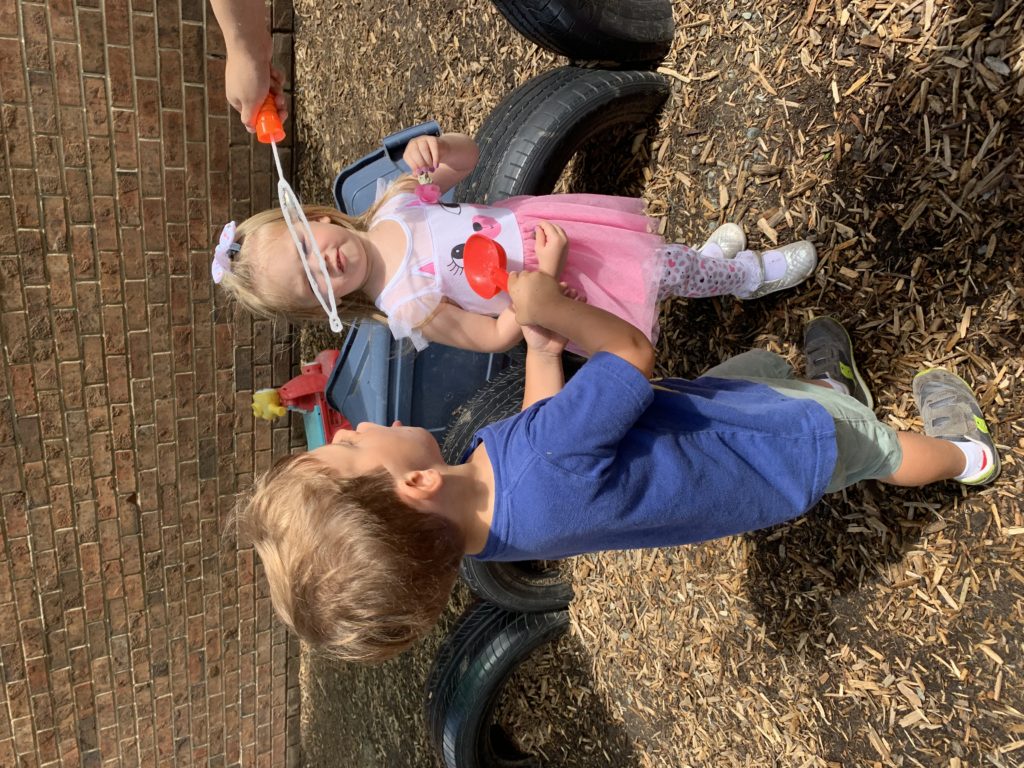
x: 351, y: 568
x: 255, y: 234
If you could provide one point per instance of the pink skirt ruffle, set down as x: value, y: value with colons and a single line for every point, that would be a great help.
x: 612, y: 259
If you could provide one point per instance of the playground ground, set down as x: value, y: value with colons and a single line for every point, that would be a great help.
x: 882, y: 628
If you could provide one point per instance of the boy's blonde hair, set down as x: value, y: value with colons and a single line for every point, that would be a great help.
x: 351, y: 567
x: 255, y: 235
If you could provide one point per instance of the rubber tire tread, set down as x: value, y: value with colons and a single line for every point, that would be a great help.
x: 499, y: 398
x: 623, y: 31
x: 515, y: 587
x: 510, y: 585
x: 470, y: 670
x: 530, y: 136
x: 438, y: 690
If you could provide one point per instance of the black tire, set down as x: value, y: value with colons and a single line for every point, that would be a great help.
x: 468, y: 675
x: 525, y: 587
x: 500, y: 397
x: 514, y: 586
x: 532, y: 134
x: 624, y: 31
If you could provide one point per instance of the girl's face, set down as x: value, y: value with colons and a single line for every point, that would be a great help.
x: 344, y: 254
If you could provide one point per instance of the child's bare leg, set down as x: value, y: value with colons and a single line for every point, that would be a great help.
x: 926, y: 460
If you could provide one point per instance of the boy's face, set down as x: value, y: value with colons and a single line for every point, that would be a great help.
x: 280, y: 266
x: 371, y: 447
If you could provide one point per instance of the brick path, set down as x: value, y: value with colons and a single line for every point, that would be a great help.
x: 132, y: 631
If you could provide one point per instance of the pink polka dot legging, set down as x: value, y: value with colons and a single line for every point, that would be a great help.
x: 688, y: 273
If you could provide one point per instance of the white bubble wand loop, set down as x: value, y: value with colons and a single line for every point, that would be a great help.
x: 269, y: 131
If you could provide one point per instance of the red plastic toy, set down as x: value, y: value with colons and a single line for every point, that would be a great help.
x: 484, y: 261
x: 305, y: 394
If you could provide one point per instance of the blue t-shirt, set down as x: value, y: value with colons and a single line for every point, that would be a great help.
x: 615, y: 461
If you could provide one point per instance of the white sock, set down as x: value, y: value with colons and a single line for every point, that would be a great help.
x: 774, y: 265
x: 772, y: 262
x: 977, y: 458
x: 838, y: 386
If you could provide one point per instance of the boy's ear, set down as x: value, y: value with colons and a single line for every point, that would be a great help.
x: 419, y: 485
x: 324, y: 219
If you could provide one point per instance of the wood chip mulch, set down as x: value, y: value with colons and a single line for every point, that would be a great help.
x: 884, y: 627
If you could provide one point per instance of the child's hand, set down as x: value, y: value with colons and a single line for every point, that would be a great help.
x: 531, y: 292
x: 552, y: 247
x: 423, y: 154
x: 540, y: 339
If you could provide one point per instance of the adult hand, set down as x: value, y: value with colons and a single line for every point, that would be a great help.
x: 246, y: 84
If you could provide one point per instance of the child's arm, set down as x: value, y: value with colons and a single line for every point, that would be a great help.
x: 451, y: 155
x: 544, y: 374
x: 538, y: 300
x: 248, y: 72
x: 467, y: 330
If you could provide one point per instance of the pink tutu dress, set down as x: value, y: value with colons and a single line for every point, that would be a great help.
x: 615, y: 260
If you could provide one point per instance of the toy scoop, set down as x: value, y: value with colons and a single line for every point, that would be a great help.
x: 270, y: 131
x: 484, y: 261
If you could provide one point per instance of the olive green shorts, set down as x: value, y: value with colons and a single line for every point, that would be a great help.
x: 866, y: 449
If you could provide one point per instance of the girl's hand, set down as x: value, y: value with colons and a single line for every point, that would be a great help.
x: 423, y: 154
x: 543, y: 341
x: 552, y: 248
x: 448, y: 158
x: 571, y: 293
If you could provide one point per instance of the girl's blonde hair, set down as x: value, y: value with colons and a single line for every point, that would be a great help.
x: 255, y: 234
x: 352, y: 569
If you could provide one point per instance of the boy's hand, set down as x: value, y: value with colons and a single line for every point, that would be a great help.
x: 531, y: 292
x: 423, y: 154
x: 552, y: 247
x: 544, y: 341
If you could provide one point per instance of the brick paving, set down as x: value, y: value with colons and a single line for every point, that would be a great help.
x: 132, y: 629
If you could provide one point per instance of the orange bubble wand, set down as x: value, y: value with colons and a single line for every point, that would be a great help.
x: 270, y: 131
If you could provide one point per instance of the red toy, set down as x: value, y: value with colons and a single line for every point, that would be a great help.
x: 305, y: 394
x: 484, y: 261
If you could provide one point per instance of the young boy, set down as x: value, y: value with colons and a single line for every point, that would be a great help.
x: 361, y: 539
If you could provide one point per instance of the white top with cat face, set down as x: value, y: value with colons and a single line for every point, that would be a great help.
x: 432, y: 267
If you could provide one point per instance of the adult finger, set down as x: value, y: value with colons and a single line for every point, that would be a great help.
x: 248, y: 115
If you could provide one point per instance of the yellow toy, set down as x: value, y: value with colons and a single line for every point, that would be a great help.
x: 266, y: 404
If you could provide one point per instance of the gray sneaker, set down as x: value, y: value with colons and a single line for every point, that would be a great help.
x: 950, y: 411
x: 829, y: 352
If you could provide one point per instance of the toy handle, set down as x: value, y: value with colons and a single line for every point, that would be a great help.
x: 500, y: 278
x: 268, y: 123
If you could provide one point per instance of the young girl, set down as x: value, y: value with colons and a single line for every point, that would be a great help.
x: 403, y: 257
